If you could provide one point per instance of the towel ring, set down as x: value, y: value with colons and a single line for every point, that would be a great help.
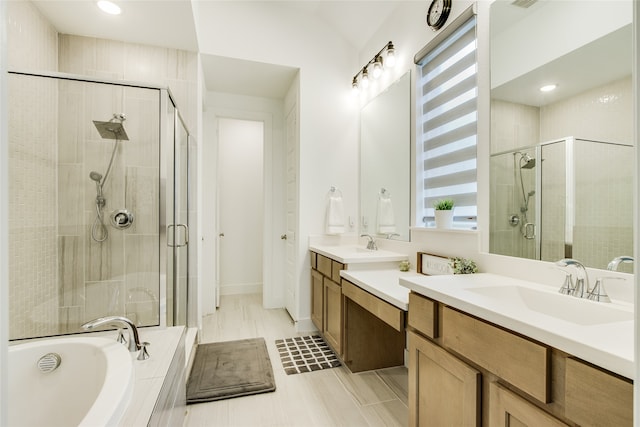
x: 334, y: 190
x: 385, y: 193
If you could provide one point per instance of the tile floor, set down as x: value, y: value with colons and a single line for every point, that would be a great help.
x: 330, y: 397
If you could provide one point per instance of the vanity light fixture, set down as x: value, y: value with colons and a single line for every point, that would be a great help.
x: 109, y: 7
x: 376, y: 65
x: 548, y: 88
x: 364, y: 80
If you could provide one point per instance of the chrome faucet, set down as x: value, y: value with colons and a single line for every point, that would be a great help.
x: 371, y: 244
x: 390, y: 235
x: 581, y: 289
x: 134, y: 340
x: 613, y: 265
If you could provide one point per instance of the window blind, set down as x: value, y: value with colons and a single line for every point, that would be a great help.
x: 448, y: 118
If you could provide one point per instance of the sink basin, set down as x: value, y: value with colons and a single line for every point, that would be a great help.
x: 564, y: 307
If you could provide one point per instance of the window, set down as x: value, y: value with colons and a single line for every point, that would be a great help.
x: 447, y: 116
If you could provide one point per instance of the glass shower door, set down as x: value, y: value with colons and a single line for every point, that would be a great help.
x: 181, y: 229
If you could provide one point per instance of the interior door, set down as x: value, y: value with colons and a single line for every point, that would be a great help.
x: 291, y: 211
x: 240, y: 205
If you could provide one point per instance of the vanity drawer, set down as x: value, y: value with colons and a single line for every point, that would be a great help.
x: 314, y: 260
x: 335, y: 270
x: 523, y: 363
x: 324, y: 265
x: 423, y: 315
x: 386, y: 312
x: 595, y: 397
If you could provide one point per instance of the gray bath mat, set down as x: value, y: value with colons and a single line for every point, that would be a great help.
x: 230, y: 369
x: 306, y: 354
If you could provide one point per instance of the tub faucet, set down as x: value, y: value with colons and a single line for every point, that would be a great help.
x: 581, y: 290
x: 613, y: 265
x: 371, y: 244
x: 134, y: 339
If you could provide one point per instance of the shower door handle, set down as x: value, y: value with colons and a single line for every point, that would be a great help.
x: 186, y: 235
x: 169, y: 233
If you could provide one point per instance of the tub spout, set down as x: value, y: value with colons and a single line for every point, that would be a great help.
x: 134, y: 339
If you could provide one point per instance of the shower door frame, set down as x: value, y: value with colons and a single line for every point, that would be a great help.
x: 166, y: 146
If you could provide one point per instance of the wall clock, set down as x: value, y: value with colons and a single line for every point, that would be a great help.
x: 438, y: 13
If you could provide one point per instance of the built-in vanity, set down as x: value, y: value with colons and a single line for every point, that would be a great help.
x: 489, y: 350
x: 358, y: 306
x: 483, y: 349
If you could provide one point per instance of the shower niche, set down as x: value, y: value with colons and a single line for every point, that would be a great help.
x: 567, y: 198
x: 99, y: 204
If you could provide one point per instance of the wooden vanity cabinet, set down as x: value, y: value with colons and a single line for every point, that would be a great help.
x: 327, y: 299
x: 333, y: 309
x: 518, y: 381
x: 510, y: 410
x: 317, y: 304
x: 365, y: 331
x: 443, y: 390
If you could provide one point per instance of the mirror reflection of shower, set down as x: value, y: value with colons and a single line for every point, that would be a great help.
x: 527, y: 229
x: 113, y: 129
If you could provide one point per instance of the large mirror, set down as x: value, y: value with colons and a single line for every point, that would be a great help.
x: 385, y: 141
x: 562, y: 158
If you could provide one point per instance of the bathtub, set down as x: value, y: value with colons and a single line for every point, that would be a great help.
x: 91, y: 387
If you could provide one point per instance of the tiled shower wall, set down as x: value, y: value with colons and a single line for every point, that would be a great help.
x: 603, y: 114
x: 50, y: 257
x: 33, y: 263
x: 119, y: 276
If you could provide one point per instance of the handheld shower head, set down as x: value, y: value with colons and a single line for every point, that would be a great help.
x: 95, y: 176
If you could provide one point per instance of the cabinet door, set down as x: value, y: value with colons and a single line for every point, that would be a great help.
x: 316, y: 299
x: 333, y: 314
x: 507, y: 409
x: 443, y: 391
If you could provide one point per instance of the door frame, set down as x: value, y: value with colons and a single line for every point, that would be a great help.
x: 274, y: 211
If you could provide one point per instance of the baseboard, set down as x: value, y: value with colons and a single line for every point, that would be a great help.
x: 245, y: 288
x: 305, y: 325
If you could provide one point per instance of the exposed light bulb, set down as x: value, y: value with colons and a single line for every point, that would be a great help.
x: 377, y: 68
x: 109, y: 7
x: 354, y: 85
x: 548, y: 88
x: 391, y: 55
x: 365, y: 79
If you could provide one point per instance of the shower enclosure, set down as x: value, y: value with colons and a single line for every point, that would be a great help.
x: 568, y: 198
x: 99, y: 204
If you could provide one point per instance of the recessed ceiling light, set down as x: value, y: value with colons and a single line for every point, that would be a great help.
x: 548, y: 88
x: 109, y: 7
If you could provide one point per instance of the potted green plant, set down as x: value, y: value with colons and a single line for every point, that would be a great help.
x: 444, y: 213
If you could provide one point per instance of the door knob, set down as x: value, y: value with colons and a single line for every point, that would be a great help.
x: 283, y: 237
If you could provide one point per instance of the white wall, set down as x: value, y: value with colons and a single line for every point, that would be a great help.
x: 328, y: 152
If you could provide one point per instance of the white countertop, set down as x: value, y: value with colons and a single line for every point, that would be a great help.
x: 608, y: 345
x: 354, y: 254
x: 384, y: 284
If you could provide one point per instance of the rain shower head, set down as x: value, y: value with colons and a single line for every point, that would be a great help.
x: 111, y: 130
x: 527, y: 162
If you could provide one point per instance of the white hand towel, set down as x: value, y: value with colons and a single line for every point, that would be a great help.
x: 335, y: 215
x: 386, y: 219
